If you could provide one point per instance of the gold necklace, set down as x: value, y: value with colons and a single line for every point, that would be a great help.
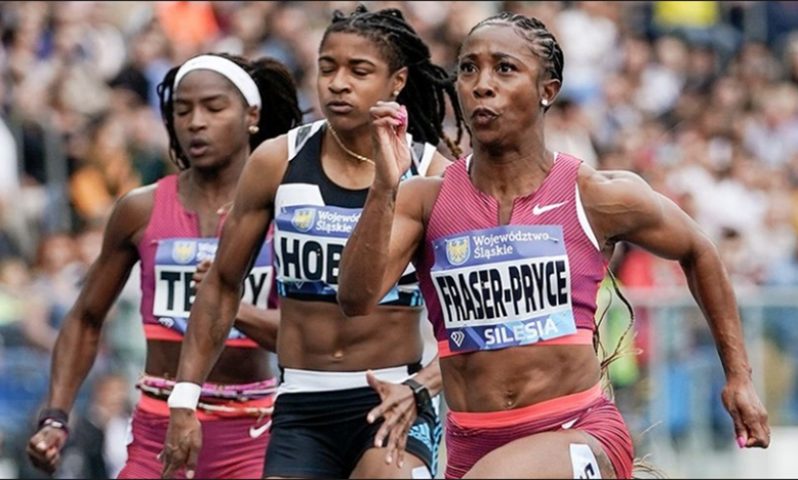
x: 350, y: 152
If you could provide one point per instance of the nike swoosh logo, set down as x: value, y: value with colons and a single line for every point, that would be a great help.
x: 569, y: 424
x: 255, y: 432
x: 538, y: 210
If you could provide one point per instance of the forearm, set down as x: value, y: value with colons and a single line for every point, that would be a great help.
x: 365, y: 257
x: 430, y: 377
x: 73, y: 356
x: 258, y: 324
x: 210, y: 322
x: 713, y: 291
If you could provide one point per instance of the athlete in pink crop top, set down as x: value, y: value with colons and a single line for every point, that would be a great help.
x: 510, y: 247
x: 213, y: 117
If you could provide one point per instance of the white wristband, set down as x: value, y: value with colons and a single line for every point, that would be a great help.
x: 184, y: 395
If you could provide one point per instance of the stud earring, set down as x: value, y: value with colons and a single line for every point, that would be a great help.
x: 544, y: 102
x: 253, y: 129
x: 395, y: 93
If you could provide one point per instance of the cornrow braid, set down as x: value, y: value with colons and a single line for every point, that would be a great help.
x: 428, y: 85
x: 535, y: 32
x: 277, y: 91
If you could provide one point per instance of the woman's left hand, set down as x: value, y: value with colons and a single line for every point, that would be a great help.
x: 398, y: 410
x: 749, y: 415
x: 200, y: 272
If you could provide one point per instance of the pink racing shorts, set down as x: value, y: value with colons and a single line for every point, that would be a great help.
x: 470, y: 435
x: 235, y: 434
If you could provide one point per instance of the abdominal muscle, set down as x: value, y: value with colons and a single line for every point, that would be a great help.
x: 316, y: 335
x: 516, y: 377
x: 236, y: 365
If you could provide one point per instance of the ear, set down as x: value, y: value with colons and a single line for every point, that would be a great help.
x: 399, y: 79
x: 253, y: 115
x: 548, y: 90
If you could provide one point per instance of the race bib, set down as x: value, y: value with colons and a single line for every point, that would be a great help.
x: 176, y: 260
x: 503, y: 287
x: 308, y: 243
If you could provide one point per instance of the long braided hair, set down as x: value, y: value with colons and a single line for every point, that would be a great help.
x: 548, y: 50
x: 280, y: 111
x: 428, y: 84
x: 535, y: 32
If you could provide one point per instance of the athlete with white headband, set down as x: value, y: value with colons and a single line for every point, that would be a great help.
x: 211, y: 107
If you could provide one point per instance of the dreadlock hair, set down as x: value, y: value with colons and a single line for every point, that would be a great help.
x: 428, y: 84
x: 277, y: 92
x: 535, y: 32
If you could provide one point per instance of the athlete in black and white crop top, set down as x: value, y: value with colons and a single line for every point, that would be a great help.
x: 313, y: 218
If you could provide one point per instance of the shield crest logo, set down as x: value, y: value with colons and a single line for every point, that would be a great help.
x: 303, y: 219
x: 184, y: 251
x: 458, y: 250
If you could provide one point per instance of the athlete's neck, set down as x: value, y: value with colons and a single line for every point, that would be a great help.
x: 357, y: 140
x: 509, y: 171
x: 213, y: 186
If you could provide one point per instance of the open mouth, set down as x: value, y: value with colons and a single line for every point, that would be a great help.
x: 483, y: 115
x: 198, y: 148
x: 340, y: 107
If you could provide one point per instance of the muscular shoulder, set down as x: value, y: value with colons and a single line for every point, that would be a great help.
x: 616, y: 200
x: 271, y: 154
x: 135, y: 207
x: 263, y: 174
x: 418, y: 194
x: 131, y: 213
x: 611, y: 190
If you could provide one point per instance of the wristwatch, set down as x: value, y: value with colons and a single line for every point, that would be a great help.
x: 420, y: 393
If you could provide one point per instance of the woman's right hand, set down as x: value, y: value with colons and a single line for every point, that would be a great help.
x: 388, y: 134
x: 44, y: 448
x: 182, y: 444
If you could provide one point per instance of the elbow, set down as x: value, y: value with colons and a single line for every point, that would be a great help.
x: 701, y: 249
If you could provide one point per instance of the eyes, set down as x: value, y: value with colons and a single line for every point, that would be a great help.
x: 503, y: 67
x: 359, y: 72
x: 183, y: 109
x: 467, y: 67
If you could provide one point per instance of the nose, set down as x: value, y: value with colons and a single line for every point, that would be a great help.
x: 484, y: 87
x: 198, y: 120
x: 338, y: 82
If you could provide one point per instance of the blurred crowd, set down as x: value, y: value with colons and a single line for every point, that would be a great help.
x: 699, y: 98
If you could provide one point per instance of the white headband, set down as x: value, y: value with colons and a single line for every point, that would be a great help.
x: 229, y: 69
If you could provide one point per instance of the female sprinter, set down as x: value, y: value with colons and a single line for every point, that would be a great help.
x: 216, y: 109
x: 510, y: 248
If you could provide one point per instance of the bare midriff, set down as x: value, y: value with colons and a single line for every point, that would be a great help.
x: 317, y: 336
x: 517, y: 377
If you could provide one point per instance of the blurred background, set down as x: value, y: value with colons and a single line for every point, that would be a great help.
x: 700, y: 98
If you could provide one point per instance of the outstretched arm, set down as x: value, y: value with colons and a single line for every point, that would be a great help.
x: 391, y: 226
x: 258, y: 324
x: 622, y: 206
x: 77, y: 343
x: 218, y: 297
